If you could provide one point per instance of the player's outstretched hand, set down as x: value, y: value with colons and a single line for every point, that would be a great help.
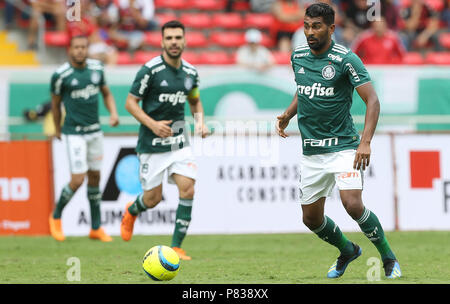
x: 282, y: 123
x: 162, y: 128
x: 114, y: 120
x: 203, y: 131
x: 362, y: 157
x: 57, y: 135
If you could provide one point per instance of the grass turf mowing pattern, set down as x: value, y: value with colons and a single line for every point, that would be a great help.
x: 222, y: 259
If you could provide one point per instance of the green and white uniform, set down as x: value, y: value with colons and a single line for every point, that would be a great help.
x: 164, y: 91
x: 79, y: 89
x: 325, y: 85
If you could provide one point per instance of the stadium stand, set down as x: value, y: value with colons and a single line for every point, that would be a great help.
x: 215, y: 30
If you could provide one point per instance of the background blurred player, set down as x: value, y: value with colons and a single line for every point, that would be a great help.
x: 164, y: 84
x: 77, y: 83
x: 326, y: 74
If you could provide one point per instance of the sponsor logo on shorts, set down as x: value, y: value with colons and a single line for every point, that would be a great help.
x: 348, y: 175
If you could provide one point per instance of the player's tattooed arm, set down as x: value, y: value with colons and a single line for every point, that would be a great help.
x: 283, y: 119
x: 370, y: 98
x: 161, y: 127
x: 56, y: 112
x: 110, y: 104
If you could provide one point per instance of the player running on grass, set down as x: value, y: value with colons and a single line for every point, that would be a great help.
x: 326, y: 74
x: 164, y: 84
x: 77, y: 83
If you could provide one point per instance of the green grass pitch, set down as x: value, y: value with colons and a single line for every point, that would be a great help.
x: 223, y: 259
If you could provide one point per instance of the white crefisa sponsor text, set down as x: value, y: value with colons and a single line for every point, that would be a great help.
x: 315, y: 90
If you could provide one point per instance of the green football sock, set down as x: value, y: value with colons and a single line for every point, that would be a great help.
x: 371, y: 227
x: 330, y: 233
x: 138, y: 206
x: 64, y: 198
x: 94, y: 197
x: 182, y: 220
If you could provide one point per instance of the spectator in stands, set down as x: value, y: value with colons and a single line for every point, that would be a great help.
x: 379, y: 45
x: 261, y: 6
x: 421, y: 26
x: 131, y: 20
x: 356, y: 20
x: 253, y: 55
x: 288, y: 18
x: 445, y: 16
x: 391, y: 13
x: 54, y: 10
x: 87, y: 26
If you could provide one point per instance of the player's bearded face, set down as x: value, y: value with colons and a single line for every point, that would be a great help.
x: 79, y: 50
x: 317, y: 32
x: 173, y: 42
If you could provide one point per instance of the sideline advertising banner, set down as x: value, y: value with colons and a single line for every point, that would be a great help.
x: 26, y: 189
x: 423, y: 171
x: 245, y: 184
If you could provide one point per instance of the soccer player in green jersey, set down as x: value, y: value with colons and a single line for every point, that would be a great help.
x: 164, y: 84
x: 77, y: 83
x: 326, y: 74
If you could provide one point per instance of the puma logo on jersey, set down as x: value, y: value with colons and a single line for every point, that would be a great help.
x: 315, y: 90
x: 178, y: 97
x: 85, y: 93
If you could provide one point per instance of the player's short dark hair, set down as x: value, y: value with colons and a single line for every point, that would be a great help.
x: 172, y: 24
x: 78, y: 37
x: 323, y: 10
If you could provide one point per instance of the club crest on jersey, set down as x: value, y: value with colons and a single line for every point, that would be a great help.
x: 95, y: 77
x: 188, y: 83
x: 328, y: 72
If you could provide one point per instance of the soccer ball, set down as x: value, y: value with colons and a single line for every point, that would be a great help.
x: 161, y: 263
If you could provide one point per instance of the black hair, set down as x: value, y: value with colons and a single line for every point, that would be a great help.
x: 77, y: 37
x: 172, y: 24
x: 323, y: 10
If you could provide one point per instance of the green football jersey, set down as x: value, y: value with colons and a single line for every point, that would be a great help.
x: 79, y: 90
x: 325, y: 85
x: 164, y: 91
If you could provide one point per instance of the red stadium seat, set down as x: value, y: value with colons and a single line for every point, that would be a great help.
x: 173, y: 4
x: 438, y: 58
x: 228, y: 20
x: 166, y: 17
x: 141, y: 57
x: 444, y: 40
x: 153, y: 38
x: 196, y: 39
x: 215, y: 57
x: 208, y: 5
x: 282, y: 57
x: 413, y: 58
x: 196, y: 20
x: 59, y: 39
x: 405, y: 3
x: 228, y: 39
x: 124, y: 58
x: 260, y: 21
x: 191, y: 57
x: 241, y: 6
